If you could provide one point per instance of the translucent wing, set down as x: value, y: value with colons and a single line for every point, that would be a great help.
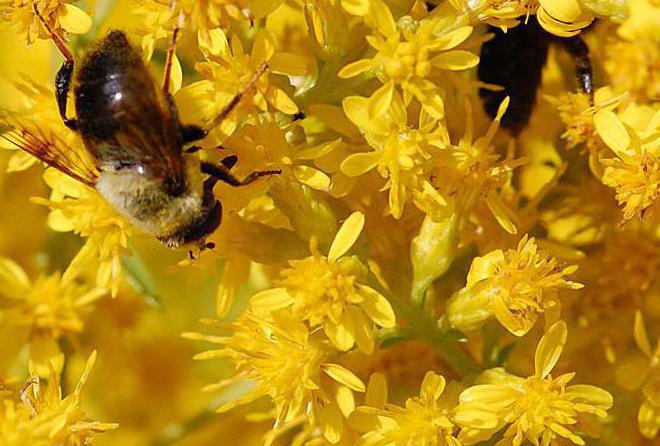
x: 49, y: 148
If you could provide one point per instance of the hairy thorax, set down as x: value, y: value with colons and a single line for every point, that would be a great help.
x: 146, y: 203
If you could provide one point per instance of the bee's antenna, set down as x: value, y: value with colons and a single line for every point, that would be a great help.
x: 237, y: 98
x: 57, y: 39
x: 171, y: 51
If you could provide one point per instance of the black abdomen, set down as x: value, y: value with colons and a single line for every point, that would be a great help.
x: 113, y: 81
x: 513, y: 60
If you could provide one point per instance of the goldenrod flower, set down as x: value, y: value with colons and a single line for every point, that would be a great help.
x: 539, y: 409
x: 227, y: 70
x: 414, y: 58
x: 78, y: 208
x: 635, y: 173
x: 644, y: 371
x: 424, y: 420
x: 61, y: 15
x: 326, y: 291
x: 43, y: 418
x: 516, y: 286
x: 286, y: 362
x: 39, y: 312
x: 580, y: 116
x: 401, y: 154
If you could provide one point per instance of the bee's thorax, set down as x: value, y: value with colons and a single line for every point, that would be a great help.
x: 147, y: 203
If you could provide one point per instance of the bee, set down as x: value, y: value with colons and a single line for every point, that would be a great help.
x: 514, y: 60
x: 131, y: 131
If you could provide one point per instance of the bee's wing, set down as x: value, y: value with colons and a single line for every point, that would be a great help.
x: 49, y: 148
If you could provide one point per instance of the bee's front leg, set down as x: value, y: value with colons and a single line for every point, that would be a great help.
x: 222, y: 173
x: 64, y: 74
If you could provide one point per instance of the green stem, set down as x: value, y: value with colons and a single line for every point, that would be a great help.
x: 424, y: 327
x: 173, y: 434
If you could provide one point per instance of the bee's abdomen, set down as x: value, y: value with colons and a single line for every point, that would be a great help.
x: 112, y: 82
x: 513, y: 60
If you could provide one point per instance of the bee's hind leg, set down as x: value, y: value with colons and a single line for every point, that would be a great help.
x: 577, y: 48
x: 64, y: 74
x: 222, y: 173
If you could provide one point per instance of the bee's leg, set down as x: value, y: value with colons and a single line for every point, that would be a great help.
x: 171, y: 51
x: 229, y: 161
x: 237, y: 98
x: 222, y: 173
x: 191, y: 133
x: 577, y: 48
x: 64, y: 74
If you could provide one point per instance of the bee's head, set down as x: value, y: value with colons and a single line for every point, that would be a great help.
x: 197, y: 230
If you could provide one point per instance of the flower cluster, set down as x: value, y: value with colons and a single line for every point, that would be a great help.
x: 397, y: 260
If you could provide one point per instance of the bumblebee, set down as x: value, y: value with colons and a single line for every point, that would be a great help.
x: 514, y: 60
x: 131, y: 130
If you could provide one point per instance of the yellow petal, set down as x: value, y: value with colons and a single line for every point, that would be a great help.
x: 376, y: 391
x: 518, y: 324
x: 550, y: 348
x: 641, y: 338
x: 45, y: 355
x: 14, y: 281
x: 281, y: 101
x: 377, y: 307
x: 20, y: 161
x: 593, y: 395
x: 455, y: 60
x: 213, y: 42
x: 432, y: 386
x: 379, y: 103
x: 346, y: 236
x: 271, y: 300
x: 612, y: 131
x: 263, y: 47
x: 362, y: 330
x: 329, y: 418
x: 648, y: 419
x: 452, y: 38
x: 358, y: 163
x: 74, y: 20
x: 312, y: 177
x: 356, y: 7
x: 263, y: 8
x: 288, y: 63
x: 382, y: 15
x: 176, y: 74
x: 355, y: 68
x: 340, y: 335
x: 501, y: 213
x: 343, y: 376
x: 563, y: 10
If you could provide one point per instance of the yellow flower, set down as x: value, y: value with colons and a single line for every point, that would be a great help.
x: 539, y: 409
x: 633, y: 60
x: 516, y: 286
x: 44, y: 418
x: 469, y: 174
x: 401, y: 154
x: 424, y: 420
x: 418, y: 57
x: 635, y: 173
x: 579, y: 116
x: 286, y: 362
x: 326, y: 292
x: 78, y: 208
x: 644, y: 371
x: 39, y: 313
x: 60, y: 15
x: 227, y: 70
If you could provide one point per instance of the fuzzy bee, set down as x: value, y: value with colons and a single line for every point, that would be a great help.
x: 131, y: 130
x: 514, y: 60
